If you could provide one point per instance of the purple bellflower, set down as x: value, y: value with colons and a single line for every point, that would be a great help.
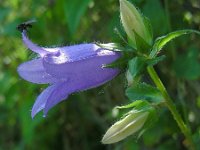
x: 67, y: 70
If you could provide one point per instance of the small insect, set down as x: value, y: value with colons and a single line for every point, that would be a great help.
x: 25, y: 25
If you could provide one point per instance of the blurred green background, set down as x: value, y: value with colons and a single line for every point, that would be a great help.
x: 81, y: 121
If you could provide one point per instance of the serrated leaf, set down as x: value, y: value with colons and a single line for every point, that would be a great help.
x: 74, y: 10
x: 136, y: 65
x: 162, y: 41
x: 144, y: 91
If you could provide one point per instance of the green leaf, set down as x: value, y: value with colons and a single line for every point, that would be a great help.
x: 162, y: 41
x: 154, y: 61
x: 144, y: 91
x: 136, y: 66
x: 74, y: 10
x: 187, y: 65
x: 155, y: 12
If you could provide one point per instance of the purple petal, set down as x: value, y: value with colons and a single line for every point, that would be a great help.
x: 59, y: 94
x: 71, y: 53
x: 59, y: 66
x: 79, y: 83
x: 86, y: 73
x: 35, y: 48
x: 79, y: 52
x: 52, y: 96
x: 33, y: 71
x: 41, y: 100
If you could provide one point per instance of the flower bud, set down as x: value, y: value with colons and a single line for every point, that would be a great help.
x: 133, y: 22
x: 130, y: 124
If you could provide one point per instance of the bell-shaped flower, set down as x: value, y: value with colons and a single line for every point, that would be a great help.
x: 67, y: 70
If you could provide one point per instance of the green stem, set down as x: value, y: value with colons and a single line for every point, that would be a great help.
x: 171, y: 106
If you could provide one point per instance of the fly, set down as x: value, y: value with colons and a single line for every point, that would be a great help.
x: 24, y: 26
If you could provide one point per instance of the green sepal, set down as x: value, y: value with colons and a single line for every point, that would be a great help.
x: 144, y: 91
x: 142, y: 106
x: 151, y: 120
x: 120, y: 63
x: 149, y: 28
x: 141, y: 45
x: 136, y: 66
x: 136, y: 107
x: 160, y: 42
x: 116, y: 47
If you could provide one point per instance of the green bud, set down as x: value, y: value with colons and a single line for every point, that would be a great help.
x: 133, y: 22
x: 130, y: 124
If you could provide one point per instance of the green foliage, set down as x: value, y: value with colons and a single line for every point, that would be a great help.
x: 141, y: 45
x: 120, y: 63
x: 144, y: 91
x: 148, y: 26
x: 142, y: 106
x: 85, y: 116
x: 133, y: 104
x: 154, y: 10
x: 187, y: 65
x: 136, y: 65
x: 74, y: 10
x: 162, y: 41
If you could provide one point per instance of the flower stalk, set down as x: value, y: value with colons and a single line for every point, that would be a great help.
x: 171, y: 106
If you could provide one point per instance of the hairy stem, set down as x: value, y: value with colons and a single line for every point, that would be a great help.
x: 171, y: 106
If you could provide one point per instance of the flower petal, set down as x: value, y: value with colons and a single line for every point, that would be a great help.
x: 59, y: 68
x: 34, y: 47
x: 78, y: 52
x: 85, y: 74
x: 52, y: 96
x: 71, y: 53
x: 33, y: 71
x: 59, y: 94
x: 41, y: 100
